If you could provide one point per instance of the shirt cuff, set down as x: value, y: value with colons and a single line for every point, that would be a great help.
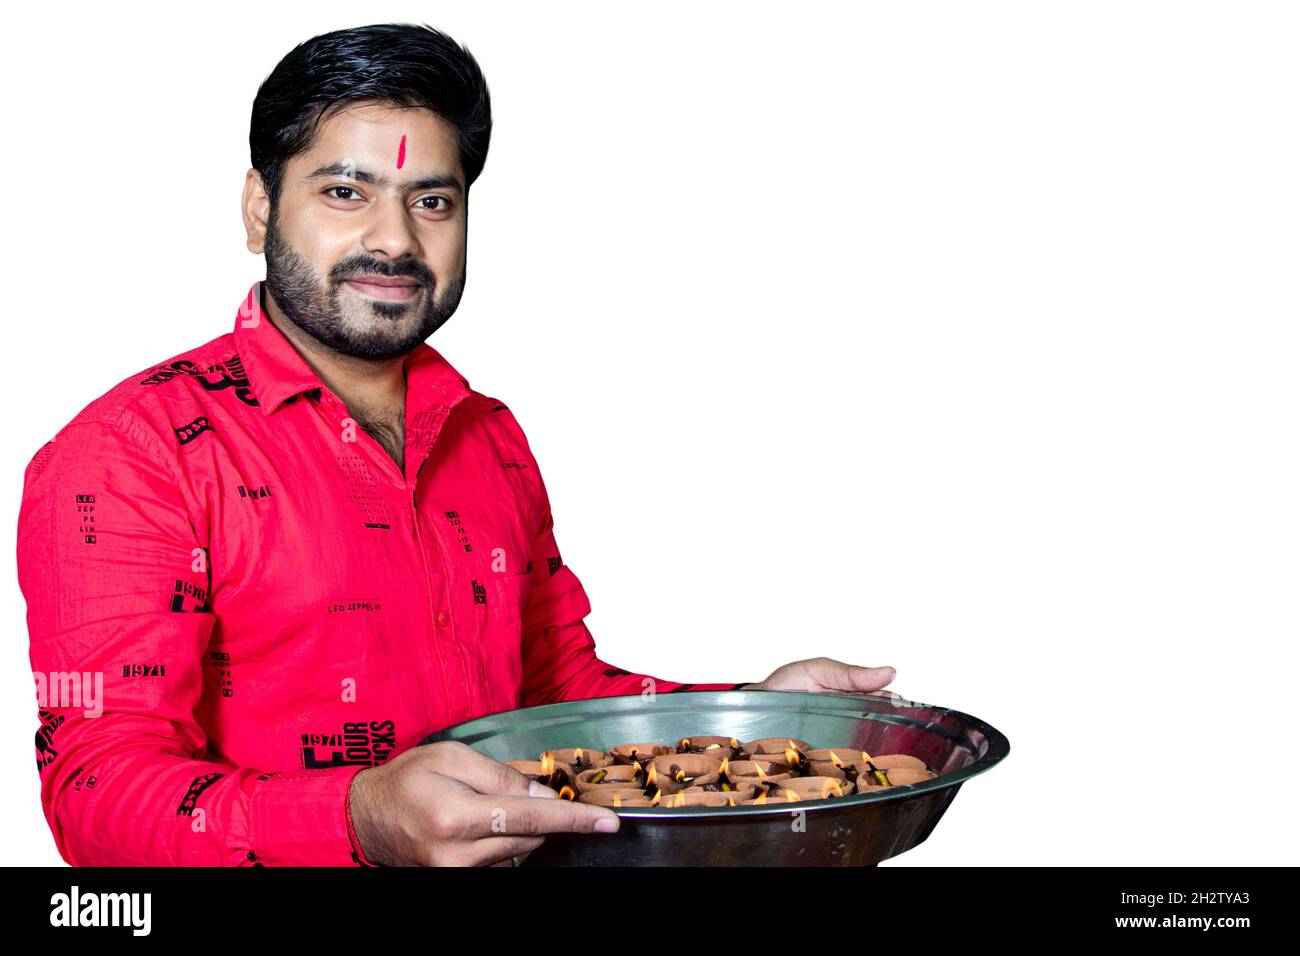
x: 300, y: 818
x: 358, y: 854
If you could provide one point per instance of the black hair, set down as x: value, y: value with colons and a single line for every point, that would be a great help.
x: 405, y: 64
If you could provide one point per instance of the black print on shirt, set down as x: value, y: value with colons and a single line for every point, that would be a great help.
x: 616, y: 672
x: 231, y: 372
x: 86, y: 518
x: 360, y: 744
x: 251, y: 494
x: 334, y: 607
x: 364, y: 492
x: 191, y: 799
x: 458, y: 526
x: 45, y: 752
x: 144, y: 670
x: 187, y: 433
x: 554, y: 564
x: 480, y: 593
x: 220, y: 661
x: 185, y: 593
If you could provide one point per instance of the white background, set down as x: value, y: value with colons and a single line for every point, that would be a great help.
x: 959, y: 337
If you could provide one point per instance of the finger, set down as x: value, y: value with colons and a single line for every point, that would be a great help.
x: 497, y: 850
x: 488, y: 776
x: 529, y: 817
x: 488, y: 851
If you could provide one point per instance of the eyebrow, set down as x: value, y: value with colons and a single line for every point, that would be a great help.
x: 350, y: 171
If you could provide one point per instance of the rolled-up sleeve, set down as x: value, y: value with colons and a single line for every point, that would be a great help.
x: 117, y: 584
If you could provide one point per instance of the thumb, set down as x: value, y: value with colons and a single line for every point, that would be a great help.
x: 836, y: 675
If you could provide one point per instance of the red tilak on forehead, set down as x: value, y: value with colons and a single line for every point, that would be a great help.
x: 401, y: 152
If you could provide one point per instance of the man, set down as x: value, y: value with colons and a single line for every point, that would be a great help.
x: 294, y: 551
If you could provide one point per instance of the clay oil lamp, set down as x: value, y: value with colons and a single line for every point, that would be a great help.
x: 613, y: 777
x: 617, y: 797
x: 741, y: 791
x: 719, y: 748
x: 675, y: 772
x: 545, y: 771
x: 888, y: 762
x: 869, y: 775
x: 637, y: 753
x: 774, y: 746
x: 818, y: 788
x: 785, y: 750
x: 727, y: 783
x: 903, y: 776
x: 832, y: 762
x: 900, y: 770
x: 741, y: 788
x: 756, y: 771
x: 697, y: 798
x: 774, y: 795
x: 579, y: 759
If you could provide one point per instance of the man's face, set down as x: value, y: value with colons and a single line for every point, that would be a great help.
x: 380, y: 194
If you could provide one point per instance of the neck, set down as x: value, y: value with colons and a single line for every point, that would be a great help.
x: 368, y: 383
x: 373, y: 390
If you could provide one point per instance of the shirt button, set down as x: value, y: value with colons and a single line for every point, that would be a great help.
x: 443, y: 618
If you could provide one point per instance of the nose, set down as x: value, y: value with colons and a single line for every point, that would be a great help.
x: 388, y: 234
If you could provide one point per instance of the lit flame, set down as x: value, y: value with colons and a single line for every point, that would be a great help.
x: 866, y: 756
x: 679, y: 800
x: 566, y: 792
x: 577, y: 755
x: 735, y: 742
x: 792, y: 757
x: 759, y: 767
x: 762, y: 798
x: 828, y: 788
x: 791, y: 796
x: 654, y: 801
x: 651, y: 778
x: 836, y: 760
x: 548, y: 764
x: 723, y: 768
x: 618, y: 801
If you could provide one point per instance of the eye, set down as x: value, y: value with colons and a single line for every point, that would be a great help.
x: 347, y: 189
x: 444, y: 199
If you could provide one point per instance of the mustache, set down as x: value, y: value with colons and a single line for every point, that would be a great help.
x: 422, y: 276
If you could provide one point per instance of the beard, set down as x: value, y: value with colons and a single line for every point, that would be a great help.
x: 365, y: 328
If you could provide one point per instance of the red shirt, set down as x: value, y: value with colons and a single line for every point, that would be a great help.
x: 272, y: 605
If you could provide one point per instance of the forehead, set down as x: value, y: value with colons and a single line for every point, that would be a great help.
x: 371, y: 135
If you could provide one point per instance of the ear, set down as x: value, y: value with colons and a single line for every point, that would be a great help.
x: 256, y: 211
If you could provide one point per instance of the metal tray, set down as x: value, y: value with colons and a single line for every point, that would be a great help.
x: 860, y: 830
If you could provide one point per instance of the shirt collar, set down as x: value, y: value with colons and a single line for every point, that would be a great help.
x: 277, y: 372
